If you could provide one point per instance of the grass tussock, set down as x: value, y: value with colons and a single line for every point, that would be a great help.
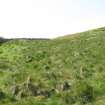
x: 64, y: 71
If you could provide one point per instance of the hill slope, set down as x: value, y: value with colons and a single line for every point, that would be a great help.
x: 65, y: 71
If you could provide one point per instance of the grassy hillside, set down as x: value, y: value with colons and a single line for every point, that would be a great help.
x: 69, y: 70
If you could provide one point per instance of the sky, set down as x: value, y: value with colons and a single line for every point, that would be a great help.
x: 49, y: 18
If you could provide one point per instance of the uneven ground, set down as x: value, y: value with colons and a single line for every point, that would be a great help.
x: 68, y: 70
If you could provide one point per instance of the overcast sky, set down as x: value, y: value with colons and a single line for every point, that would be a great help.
x: 49, y: 18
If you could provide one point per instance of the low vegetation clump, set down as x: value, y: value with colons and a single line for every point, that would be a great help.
x: 68, y: 70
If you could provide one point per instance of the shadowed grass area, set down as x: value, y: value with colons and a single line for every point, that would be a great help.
x: 69, y: 70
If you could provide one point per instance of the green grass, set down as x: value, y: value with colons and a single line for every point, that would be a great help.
x: 78, y: 59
